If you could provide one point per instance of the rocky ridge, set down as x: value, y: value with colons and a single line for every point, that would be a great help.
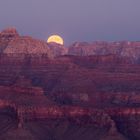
x: 128, y: 49
x: 12, y: 43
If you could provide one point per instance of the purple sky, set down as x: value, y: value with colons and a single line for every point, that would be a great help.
x: 74, y: 20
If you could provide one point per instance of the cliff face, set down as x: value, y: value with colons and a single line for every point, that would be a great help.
x: 57, y: 49
x: 96, y: 92
x: 126, y: 49
x: 12, y: 43
x: 92, y: 93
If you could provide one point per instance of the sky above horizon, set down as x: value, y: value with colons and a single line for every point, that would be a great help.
x: 73, y: 20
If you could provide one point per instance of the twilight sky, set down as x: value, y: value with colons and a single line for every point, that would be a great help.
x: 74, y: 20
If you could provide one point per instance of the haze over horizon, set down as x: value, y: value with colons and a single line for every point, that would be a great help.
x: 74, y: 20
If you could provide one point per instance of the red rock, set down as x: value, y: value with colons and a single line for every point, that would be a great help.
x: 12, y: 43
x: 58, y: 49
x: 9, y: 33
x: 75, y: 97
x: 130, y: 50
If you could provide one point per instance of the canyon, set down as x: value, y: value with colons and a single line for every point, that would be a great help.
x: 85, y: 91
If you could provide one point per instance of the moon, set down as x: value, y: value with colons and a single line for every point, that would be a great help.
x: 55, y: 39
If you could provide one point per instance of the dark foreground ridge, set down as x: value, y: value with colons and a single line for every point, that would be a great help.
x: 48, y: 91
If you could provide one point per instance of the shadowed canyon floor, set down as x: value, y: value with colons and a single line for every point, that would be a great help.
x: 62, y: 98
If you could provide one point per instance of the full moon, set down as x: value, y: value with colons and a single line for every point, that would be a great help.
x: 56, y: 39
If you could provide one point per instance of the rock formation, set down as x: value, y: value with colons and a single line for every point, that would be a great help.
x: 12, y: 43
x: 126, y: 49
x: 90, y: 93
x: 58, y: 49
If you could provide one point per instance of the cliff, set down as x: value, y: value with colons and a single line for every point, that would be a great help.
x: 86, y: 91
x: 128, y: 49
x: 79, y: 90
x: 12, y: 43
